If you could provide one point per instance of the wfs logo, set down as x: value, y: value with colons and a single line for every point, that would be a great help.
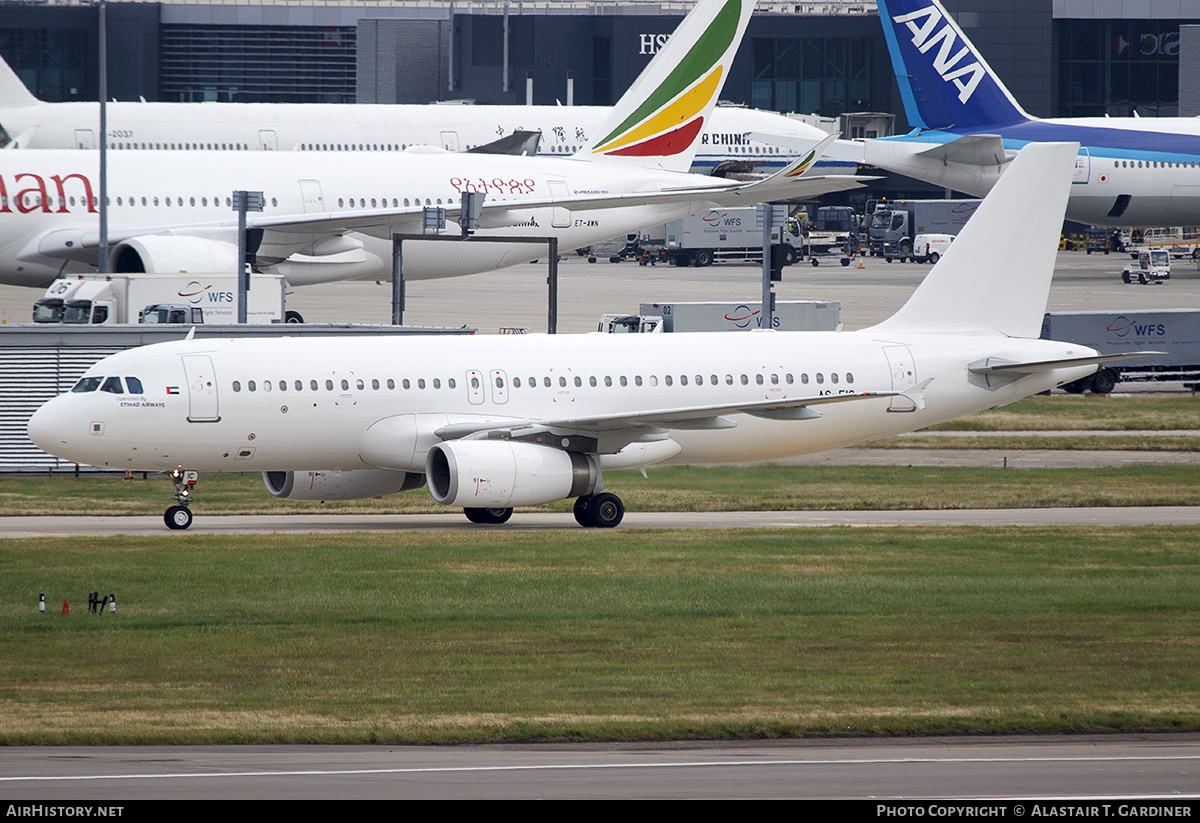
x: 922, y: 24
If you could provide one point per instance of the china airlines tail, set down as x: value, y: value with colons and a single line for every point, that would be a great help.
x: 944, y: 80
x: 658, y: 121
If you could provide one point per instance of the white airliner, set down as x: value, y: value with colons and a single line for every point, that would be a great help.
x: 735, y: 141
x: 330, y: 215
x: 496, y: 422
x: 967, y: 126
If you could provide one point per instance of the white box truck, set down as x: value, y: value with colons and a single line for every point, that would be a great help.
x: 170, y: 298
x: 789, y: 315
x: 727, y: 234
x: 1174, y: 331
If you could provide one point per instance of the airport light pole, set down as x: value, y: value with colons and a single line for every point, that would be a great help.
x: 244, y: 201
x: 102, y: 257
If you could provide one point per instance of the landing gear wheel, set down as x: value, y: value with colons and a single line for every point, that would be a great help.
x: 580, y: 511
x: 1104, y: 381
x: 490, y: 517
x: 605, y: 510
x: 178, y: 517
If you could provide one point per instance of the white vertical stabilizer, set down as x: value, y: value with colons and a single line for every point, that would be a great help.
x: 996, y: 275
x: 12, y: 91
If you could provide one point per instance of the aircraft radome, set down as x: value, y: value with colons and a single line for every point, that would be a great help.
x: 496, y: 422
x: 330, y: 216
x: 1140, y: 171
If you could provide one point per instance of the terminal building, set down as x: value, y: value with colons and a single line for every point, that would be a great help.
x: 1059, y: 57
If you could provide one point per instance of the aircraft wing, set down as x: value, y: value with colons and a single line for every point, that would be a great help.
x: 971, y: 150
x: 518, y: 144
x: 608, y: 434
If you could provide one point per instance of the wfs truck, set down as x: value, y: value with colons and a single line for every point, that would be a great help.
x: 1173, y: 331
x: 727, y: 234
x: 160, y: 298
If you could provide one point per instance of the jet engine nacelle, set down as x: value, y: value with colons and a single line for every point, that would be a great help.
x: 336, y: 485
x: 503, y: 473
x: 169, y: 254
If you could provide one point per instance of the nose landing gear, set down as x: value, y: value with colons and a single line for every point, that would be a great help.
x: 179, y: 516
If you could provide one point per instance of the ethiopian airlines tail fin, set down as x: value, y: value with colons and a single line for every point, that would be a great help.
x: 13, y: 92
x: 988, y: 280
x: 658, y: 122
x: 944, y: 81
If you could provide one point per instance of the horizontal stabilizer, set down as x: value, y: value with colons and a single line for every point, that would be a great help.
x: 997, y: 365
x: 972, y: 150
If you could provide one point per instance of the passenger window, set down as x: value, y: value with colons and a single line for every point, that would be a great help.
x: 113, y: 386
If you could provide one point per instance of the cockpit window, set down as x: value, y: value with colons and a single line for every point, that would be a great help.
x: 87, y: 384
x: 134, y: 385
x: 113, y: 386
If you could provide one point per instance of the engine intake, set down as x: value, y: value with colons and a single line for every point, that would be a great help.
x: 168, y: 254
x: 336, y: 485
x: 503, y: 473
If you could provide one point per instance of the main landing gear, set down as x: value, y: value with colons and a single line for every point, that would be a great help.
x: 488, y: 516
x: 602, y: 510
x: 180, y: 516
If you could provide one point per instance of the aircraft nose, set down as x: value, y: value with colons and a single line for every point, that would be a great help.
x: 52, y: 429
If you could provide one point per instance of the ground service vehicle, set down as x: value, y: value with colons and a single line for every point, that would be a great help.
x: 727, y: 234
x: 789, y: 315
x: 834, y: 229
x: 929, y: 248
x: 1152, y: 266
x: 119, y: 298
x: 1173, y: 331
x: 896, y: 224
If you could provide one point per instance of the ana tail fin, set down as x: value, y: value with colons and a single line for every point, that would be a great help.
x: 13, y: 92
x: 996, y: 275
x: 944, y: 80
x: 658, y: 122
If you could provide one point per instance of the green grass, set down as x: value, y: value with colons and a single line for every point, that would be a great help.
x: 1065, y: 412
x: 757, y: 488
x: 432, y: 638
